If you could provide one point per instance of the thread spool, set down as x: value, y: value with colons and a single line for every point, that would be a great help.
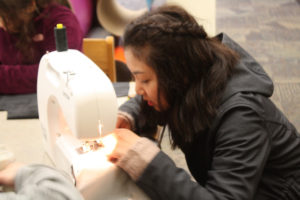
x: 61, y: 40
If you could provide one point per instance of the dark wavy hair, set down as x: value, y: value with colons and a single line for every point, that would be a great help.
x: 192, y: 68
x: 11, y: 11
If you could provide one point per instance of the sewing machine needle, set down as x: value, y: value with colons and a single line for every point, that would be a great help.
x: 100, y: 129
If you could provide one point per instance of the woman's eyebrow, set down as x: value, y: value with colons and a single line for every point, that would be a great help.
x: 137, y: 72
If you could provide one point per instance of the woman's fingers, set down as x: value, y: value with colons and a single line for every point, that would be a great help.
x: 8, y: 174
x: 123, y: 122
x: 125, y: 139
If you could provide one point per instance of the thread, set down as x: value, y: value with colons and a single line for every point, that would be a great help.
x: 61, y: 40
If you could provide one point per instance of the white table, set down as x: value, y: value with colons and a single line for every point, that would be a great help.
x: 24, y: 139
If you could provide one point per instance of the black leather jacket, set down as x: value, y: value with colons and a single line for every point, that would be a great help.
x: 252, y: 151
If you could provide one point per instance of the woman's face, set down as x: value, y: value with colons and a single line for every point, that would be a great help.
x: 146, y: 81
x: 24, y: 17
x: 2, y: 25
x: 8, y: 27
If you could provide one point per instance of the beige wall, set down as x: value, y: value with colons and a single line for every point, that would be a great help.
x: 203, y: 10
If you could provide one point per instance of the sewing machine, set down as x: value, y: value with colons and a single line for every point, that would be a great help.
x: 77, y: 106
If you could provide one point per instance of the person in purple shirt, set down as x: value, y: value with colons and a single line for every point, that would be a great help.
x: 26, y: 34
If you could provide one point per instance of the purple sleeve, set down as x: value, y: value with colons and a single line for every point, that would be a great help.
x: 16, y: 79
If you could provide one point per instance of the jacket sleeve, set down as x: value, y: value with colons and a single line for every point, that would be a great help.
x: 41, y: 182
x: 131, y: 110
x: 241, y: 150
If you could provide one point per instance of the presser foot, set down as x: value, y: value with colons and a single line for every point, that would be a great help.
x: 88, y: 146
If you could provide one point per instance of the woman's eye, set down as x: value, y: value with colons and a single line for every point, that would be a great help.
x: 145, y: 81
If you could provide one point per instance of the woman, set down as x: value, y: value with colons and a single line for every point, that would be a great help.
x: 214, y: 98
x: 26, y: 34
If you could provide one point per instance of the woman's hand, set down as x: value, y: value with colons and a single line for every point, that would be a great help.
x: 123, y: 122
x: 8, y: 174
x: 125, y: 139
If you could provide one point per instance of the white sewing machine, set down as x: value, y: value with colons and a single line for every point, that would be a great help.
x: 77, y: 105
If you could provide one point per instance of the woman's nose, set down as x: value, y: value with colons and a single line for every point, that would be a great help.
x: 138, y: 89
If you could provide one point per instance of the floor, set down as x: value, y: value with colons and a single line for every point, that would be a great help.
x: 270, y: 31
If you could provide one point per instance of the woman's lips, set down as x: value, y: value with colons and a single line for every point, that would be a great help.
x: 150, y: 103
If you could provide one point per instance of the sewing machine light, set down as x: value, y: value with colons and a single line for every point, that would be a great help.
x: 109, y: 144
x: 105, y: 144
x: 97, y: 143
x: 90, y: 145
x: 92, y: 160
x: 85, y: 148
x: 87, y: 160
